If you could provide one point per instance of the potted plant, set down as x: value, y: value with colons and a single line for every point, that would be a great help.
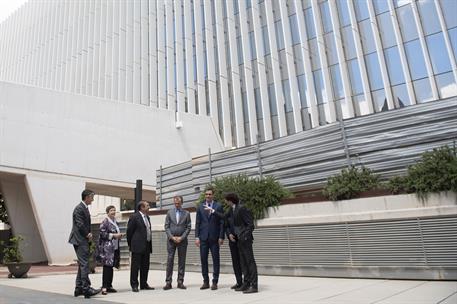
x: 12, y: 258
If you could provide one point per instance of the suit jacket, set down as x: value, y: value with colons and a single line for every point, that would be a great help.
x: 243, y: 223
x: 81, y: 225
x: 209, y: 227
x: 137, y: 235
x: 174, y: 228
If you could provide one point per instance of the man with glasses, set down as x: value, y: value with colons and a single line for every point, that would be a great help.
x: 209, y: 235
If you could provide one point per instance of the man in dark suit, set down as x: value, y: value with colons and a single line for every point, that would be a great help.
x: 244, y: 226
x: 209, y: 235
x: 140, y: 244
x: 177, y: 228
x: 79, y: 237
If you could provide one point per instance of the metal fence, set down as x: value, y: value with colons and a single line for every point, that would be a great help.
x: 386, y: 142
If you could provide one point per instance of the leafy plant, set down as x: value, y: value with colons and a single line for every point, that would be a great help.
x: 12, y: 252
x: 350, y: 183
x: 3, y: 213
x: 436, y: 171
x: 257, y: 194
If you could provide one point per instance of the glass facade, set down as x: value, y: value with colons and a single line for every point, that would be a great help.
x: 288, y: 64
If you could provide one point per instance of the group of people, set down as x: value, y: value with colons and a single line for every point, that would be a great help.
x: 211, y: 227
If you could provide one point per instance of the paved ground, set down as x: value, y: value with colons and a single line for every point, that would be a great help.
x: 48, y: 286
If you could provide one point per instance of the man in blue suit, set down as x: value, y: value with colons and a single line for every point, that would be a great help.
x: 209, y: 235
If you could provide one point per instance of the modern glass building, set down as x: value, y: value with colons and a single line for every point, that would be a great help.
x: 262, y: 69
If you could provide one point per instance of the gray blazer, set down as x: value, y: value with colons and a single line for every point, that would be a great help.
x: 172, y: 228
x: 81, y: 225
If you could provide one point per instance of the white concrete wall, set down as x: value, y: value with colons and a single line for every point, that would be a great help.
x: 60, y: 141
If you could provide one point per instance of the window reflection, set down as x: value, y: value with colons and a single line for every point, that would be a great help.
x: 348, y: 40
x: 311, y: 31
x: 294, y: 29
x: 386, y: 30
x: 400, y: 94
x: 438, y: 53
x: 416, y: 62
x: 337, y: 83
x: 354, y: 75
x: 380, y: 101
x: 453, y: 37
x: 380, y: 6
x: 374, y: 71
x: 319, y: 85
x: 266, y: 41
x: 361, y: 105
x: 302, y: 90
x: 407, y: 23
x: 325, y: 15
x: 449, y: 8
x: 366, y: 33
x: 361, y: 9
x: 279, y: 35
x: 272, y: 99
x: 332, y: 56
x: 446, y: 85
x: 394, y: 66
x: 423, y: 90
x: 343, y: 12
x: 430, y: 21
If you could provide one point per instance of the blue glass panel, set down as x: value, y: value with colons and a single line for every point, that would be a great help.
x: 325, y: 15
x: 379, y: 101
x: 407, y: 23
x: 449, y: 8
x: 236, y: 7
x: 386, y: 30
x: 253, y: 47
x: 453, y: 37
x: 380, y: 6
x: 416, y: 62
x: 446, y: 85
x: 332, y: 55
x: 354, y: 75
x: 429, y: 17
x: 361, y: 9
x: 366, y: 32
x: 394, y: 66
x: 319, y: 86
x: 348, y: 42
x: 279, y: 35
x: 302, y: 90
x: 343, y: 12
x: 401, y: 98
x: 374, y: 71
x: 294, y: 29
x: 287, y: 98
x: 310, y: 29
x: 438, y: 53
x: 423, y: 90
x: 337, y: 83
x: 272, y: 99
x: 240, y: 50
x: 258, y: 103
x: 266, y: 41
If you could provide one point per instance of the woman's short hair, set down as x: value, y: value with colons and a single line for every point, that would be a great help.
x: 109, y: 208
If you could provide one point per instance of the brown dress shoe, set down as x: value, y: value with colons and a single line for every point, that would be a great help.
x: 167, y: 286
x: 181, y: 286
x: 205, y: 286
x: 214, y: 286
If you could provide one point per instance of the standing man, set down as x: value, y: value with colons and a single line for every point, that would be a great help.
x: 244, y: 226
x: 80, y: 237
x: 209, y: 235
x: 177, y: 228
x: 139, y: 241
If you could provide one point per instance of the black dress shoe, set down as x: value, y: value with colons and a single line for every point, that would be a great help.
x: 167, y: 286
x: 214, y: 286
x: 235, y: 286
x: 147, y: 287
x: 251, y: 290
x: 78, y: 291
x: 181, y: 286
x: 205, y: 286
x: 135, y: 289
x: 242, y: 288
x: 91, y: 292
x: 111, y: 289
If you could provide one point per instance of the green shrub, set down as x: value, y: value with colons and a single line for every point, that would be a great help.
x: 257, y: 194
x: 350, y: 183
x: 12, y: 252
x: 436, y: 171
x: 3, y: 213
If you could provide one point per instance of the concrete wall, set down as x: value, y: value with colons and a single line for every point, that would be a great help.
x: 58, y: 142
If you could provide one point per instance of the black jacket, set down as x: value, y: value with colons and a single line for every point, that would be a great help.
x: 243, y: 223
x: 137, y: 235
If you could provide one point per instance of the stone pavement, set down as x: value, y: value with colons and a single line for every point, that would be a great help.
x: 48, y: 287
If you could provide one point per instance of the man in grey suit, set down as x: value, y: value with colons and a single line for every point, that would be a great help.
x: 80, y: 237
x: 177, y: 228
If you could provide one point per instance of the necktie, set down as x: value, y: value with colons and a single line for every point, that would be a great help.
x: 148, y: 228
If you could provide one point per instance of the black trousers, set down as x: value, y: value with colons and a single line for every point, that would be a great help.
x: 139, y: 263
x: 82, y: 278
x: 107, y: 277
x: 248, y: 264
x: 182, y: 250
x: 236, y: 262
